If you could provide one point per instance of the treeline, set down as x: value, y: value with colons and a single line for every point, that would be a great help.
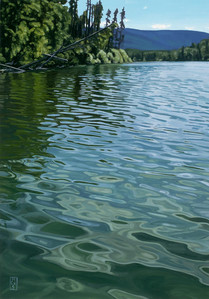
x: 196, y: 52
x: 29, y: 29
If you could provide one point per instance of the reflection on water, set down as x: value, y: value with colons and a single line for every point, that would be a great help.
x: 104, y: 182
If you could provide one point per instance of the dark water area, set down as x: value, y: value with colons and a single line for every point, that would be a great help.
x: 104, y: 182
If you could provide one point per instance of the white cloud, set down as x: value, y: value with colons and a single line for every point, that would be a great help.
x: 161, y: 26
x: 189, y: 28
x: 103, y: 24
x: 145, y: 7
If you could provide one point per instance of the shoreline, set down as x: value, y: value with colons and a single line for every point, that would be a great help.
x: 113, y: 56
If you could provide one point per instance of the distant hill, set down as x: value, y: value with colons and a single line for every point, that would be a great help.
x: 161, y: 40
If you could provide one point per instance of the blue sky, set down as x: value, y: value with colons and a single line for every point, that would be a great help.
x: 160, y: 14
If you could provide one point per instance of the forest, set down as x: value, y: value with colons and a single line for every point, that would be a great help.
x: 196, y: 52
x: 31, y: 29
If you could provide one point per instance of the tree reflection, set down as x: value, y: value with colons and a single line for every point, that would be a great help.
x: 29, y: 98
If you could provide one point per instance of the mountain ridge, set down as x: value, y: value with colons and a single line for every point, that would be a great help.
x: 161, y: 39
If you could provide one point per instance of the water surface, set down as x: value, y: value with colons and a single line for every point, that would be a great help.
x: 104, y: 182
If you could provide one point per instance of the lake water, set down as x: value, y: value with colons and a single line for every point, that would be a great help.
x: 104, y: 178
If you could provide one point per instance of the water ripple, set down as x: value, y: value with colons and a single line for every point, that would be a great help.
x: 104, y: 181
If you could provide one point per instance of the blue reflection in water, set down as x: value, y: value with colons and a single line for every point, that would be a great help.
x: 104, y: 181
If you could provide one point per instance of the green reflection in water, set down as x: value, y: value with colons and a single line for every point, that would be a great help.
x: 104, y: 182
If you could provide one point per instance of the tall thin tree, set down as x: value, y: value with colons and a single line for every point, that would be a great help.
x: 88, y: 15
x: 115, y: 18
x: 0, y: 24
x: 98, y: 9
x: 108, y: 16
x: 123, y: 16
x: 73, y: 10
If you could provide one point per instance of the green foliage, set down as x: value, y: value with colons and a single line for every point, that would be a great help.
x: 203, y: 48
x: 91, y: 59
x: 125, y: 56
x: 98, y: 13
x: 117, y: 58
x: 193, y: 53
x: 110, y: 57
x: 86, y: 56
x: 103, y: 57
x: 102, y: 40
x: 73, y: 11
x: 31, y: 28
x: 2, y: 59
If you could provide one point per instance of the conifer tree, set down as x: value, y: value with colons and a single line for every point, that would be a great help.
x: 122, y: 27
x: 31, y: 28
x: 82, y: 24
x: 123, y: 16
x: 115, y: 19
x: 92, y: 18
x: 88, y: 16
x: 73, y: 10
x: 0, y: 25
x: 97, y: 13
x: 108, y: 16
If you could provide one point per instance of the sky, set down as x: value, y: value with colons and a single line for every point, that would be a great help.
x: 160, y: 14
